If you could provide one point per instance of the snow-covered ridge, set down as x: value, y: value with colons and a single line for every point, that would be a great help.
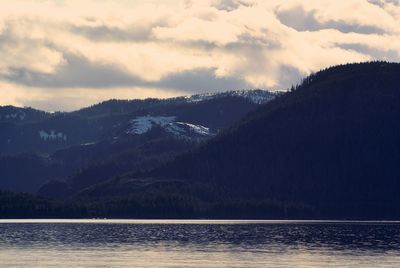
x: 143, y: 124
x: 183, y: 128
x: 256, y: 96
x: 199, y: 129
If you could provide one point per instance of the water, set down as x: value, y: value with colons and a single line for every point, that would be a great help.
x: 141, y: 243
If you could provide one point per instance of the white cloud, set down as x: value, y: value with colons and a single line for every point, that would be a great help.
x: 133, y: 48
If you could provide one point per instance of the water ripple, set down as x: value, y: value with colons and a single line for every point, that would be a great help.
x: 198, y: 244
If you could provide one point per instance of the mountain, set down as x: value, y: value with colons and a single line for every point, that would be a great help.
x: 29, y: 130
x: 330, y: 148
x: 11, y: 114
x: 114, y: 137
x: 27, y: 172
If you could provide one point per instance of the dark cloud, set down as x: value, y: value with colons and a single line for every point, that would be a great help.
x: 289, y: 76
x: 139, y: 32
x: 382, y: 3
x: 7, y: 37
x: 376, y: 54
x: 78, y: 72
x: 301, y: 20
x: 256, y: 42
x: 106, y: 33
x: 199, y: 44
x: 229, y: 5
x: 75, y: 72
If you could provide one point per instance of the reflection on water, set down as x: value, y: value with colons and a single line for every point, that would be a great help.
x: 105, y: 243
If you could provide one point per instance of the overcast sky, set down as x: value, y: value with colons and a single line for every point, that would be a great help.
x: 62, y: 55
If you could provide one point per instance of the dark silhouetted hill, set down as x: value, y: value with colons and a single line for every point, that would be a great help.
x: 111, y: 138
x: 332, y: 145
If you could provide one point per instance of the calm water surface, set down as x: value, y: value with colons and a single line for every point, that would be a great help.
x: 141, y: 243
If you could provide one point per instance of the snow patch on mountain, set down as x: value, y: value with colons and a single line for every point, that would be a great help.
x: 52, y: 135
x: 198, y: 129
x: 88, y: 144
x: 185, y: 129
x: 143, y: 124
x: 256, y: 96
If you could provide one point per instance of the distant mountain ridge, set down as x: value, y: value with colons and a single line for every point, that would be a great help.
x: 90, y: 138
x: 256, y: 96
x: 11, y: 114
x: 30, y: 130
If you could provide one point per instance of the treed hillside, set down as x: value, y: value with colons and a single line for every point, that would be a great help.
x: 27, y: 172
x: 26, y: 206
x: 11, y: 114
x: 77, y: 149
x: 25, y: 130
x: 331, y: 145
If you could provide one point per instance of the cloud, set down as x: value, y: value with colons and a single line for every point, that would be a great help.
x: 78, y: 72
x: 105, y: 33
x: 63, y: 51
x: 388, y: 55
x: 230, y: 5
x: 19, y: 51
x: 198, y: 80
x: 74, y: 72
x: 351, y: 15
x: 302, y: 20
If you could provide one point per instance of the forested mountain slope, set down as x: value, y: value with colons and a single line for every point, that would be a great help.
x: 332, y: 144
x: 110, y: 138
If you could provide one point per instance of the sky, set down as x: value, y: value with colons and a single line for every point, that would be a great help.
x: 60, y: 55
